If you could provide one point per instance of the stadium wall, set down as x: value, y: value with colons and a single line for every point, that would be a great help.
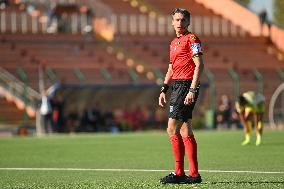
x: 245, y: 19
x: 235, y: 13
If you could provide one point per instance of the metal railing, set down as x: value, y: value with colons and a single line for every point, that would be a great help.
x: 18, y: 89
x: 259, y: 80
x: 135, y: 24
x: 235, y: 82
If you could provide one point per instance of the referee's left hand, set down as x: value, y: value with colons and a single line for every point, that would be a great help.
x: 189, y: 98
x: 162, y: 99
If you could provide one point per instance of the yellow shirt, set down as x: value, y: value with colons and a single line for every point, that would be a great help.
x: 255, y: 103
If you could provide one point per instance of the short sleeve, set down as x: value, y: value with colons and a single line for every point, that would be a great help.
x: 171, y: 54
x: 195, y: 45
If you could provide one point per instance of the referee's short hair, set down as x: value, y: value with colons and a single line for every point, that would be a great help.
x: 184, y: 12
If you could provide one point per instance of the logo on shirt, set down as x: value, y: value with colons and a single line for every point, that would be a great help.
x: 171, y: 108
x: 174, y: 48
x: 193, y: 37
x: 196, y: 48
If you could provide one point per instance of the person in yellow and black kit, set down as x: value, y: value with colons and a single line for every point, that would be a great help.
x: 250, y: 107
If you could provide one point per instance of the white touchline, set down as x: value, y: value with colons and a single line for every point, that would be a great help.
x: 130, y: 170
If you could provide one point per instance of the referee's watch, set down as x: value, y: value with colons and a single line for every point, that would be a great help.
x: 193, y: 90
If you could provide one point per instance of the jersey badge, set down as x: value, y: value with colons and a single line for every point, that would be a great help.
x: 193, y: 37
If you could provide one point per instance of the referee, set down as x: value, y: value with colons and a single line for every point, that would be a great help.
x: 184, y: 72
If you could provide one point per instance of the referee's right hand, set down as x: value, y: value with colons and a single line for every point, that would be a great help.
x: 162, y: 99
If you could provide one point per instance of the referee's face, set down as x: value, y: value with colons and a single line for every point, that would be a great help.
x: 180, y: 23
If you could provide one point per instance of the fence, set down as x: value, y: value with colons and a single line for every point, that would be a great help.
x: 22, y: 22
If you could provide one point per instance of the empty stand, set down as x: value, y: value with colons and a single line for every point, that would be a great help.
x: 66, y: 56
x: 121, y: 7
x: 10, y: 114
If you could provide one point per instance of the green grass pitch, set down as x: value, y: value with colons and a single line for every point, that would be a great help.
x: 149, y: 152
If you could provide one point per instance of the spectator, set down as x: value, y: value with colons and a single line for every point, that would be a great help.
x: 4, y: 4
x: 72, y: 121
x: 264, y: 21
x: 110, y: 124
x: 224, y: 112
x: 46, y: 114
x: 57, y: 105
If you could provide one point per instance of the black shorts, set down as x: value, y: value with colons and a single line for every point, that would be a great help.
x: 178, y: 110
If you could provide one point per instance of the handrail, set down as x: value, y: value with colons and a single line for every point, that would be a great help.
x: 79, y: 75
x: 212, y: 88
x: 133, y: 75
x: 17, y: 84
x: 259, y: 80
x: 51, y: 75
x: 106, y: 75
x: 18, y: 89
x: 236, y: 83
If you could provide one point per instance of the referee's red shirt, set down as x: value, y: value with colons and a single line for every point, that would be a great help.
x: 182, y: 49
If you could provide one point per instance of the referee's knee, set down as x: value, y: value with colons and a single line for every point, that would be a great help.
x: 171, y: 130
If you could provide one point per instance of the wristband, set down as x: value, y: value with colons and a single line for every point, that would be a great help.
x: 165, y: 88
x: 192, y: 90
